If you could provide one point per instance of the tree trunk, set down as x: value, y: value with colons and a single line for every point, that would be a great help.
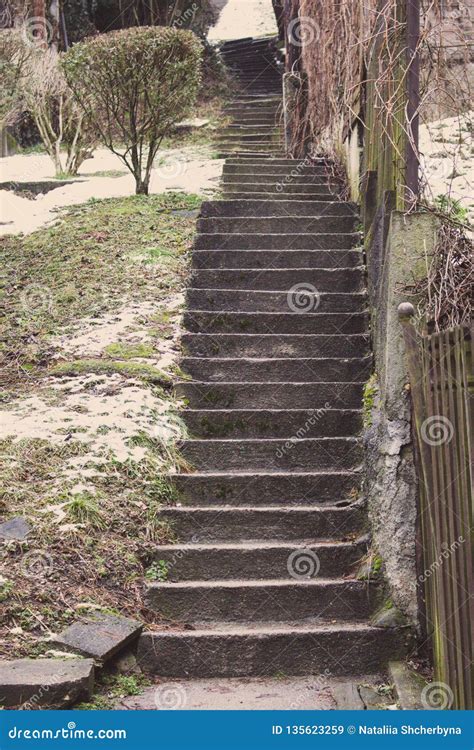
x: 141, y: 186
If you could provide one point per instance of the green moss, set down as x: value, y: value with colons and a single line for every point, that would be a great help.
x: 6, y: 587
x: 158, y: 571
x: 370, y: 393
x: 130, y: 351
x: 138, y: 370
x: 109, y: 687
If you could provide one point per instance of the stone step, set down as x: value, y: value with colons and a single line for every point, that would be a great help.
x: 273, y: 423
x: 260, y: 83
x: 274, y: 345
x: 258, y: 560
x: 213, y: 490
x: 280, y: 182
x: 276, y: 259
x: 266, y: 81
x: 267, y: 171
x: 262, y: 196
x: 264, y: 69
x: 236, y: 300
x: 294, y: 167
x: 255, y: 99
x: 274, y: 370
x: 263, y: 153
x: 267, y: 241
x: 261, y: 191
x: 241, y: 112
x: 314, y: 395
x: 283, y: 161
x: 263, y: 136
x: 202, y: 321
x: 267, y: 151
x: 276, y: 224
x: 236, y: 109
x: 258, y: 209
x: 257, y: 120
x: 306, y: 454
x: 241, y: 129
x: 346, y: 280
x: 257, y: 601
x: 275, y: 523
x: 290, y: 649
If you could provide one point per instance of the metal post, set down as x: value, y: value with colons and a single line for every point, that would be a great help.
x: 413, y: 103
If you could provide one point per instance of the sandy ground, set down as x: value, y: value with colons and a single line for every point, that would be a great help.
x: 241, y: 18
x: 447, y: 150
x: 104, y: 412
x: 189, y: 169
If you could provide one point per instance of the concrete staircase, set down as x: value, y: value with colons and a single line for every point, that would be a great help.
x: 270, y: 530
x: 255, y: 112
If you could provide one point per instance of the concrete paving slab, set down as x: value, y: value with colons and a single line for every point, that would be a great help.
x: 319, y: 692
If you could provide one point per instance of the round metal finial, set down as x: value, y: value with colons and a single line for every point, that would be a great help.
x: 406, y: 310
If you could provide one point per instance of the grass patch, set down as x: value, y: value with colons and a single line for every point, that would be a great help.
x: 86, y: 550
x: 96, y: 256
x: 92, y: 527
x: 107, y: 173
x: 138, y: 370
x: 110, y: 687
x: 130, y: 351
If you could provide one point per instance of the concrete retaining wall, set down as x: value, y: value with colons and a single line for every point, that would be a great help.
x: 391, y: 485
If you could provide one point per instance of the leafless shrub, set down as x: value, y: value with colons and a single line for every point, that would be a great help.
x: 13, y: 61
x: 446, y: 294
x: 62, y: 124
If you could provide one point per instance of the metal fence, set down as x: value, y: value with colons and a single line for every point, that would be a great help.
x: 440, y: 368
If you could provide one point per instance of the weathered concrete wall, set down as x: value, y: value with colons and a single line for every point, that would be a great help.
x: 390, y: 471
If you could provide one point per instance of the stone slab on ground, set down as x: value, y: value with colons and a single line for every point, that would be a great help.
x: 51, y: 683
x: 408, y: 686
x: 319, y: 692
x: 99, y: 637
x: 15, y: 529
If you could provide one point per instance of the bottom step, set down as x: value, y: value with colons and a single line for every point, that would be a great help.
x: 293, y: 650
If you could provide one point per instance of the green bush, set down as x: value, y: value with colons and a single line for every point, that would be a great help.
x: 134, y: 85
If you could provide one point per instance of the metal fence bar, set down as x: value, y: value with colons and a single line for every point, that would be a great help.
x: 441, y: 380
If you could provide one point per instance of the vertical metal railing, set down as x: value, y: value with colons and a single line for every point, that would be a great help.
x: 440, y: 369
